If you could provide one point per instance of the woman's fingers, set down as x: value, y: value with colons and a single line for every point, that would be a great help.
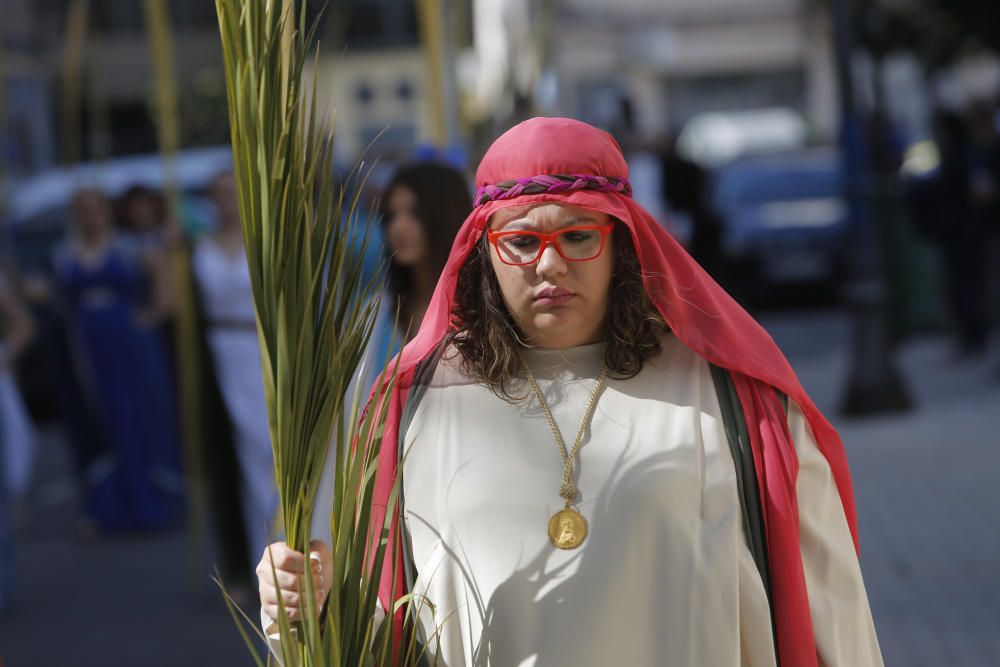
x: 273, y: 612
x: 322, y: 560
x: 320, y: 550
x: 269, y: 596
x: 282, y: 572
x: 285, y: 558
x: 269, y: 593
x: 281, y: 557
x: 293, y: 602
x: 287, y: 581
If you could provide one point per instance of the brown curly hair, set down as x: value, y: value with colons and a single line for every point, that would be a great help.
x: 488, y: 340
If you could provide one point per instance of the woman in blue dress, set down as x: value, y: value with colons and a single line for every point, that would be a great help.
x: 101, y: 284
x: 145, y: 232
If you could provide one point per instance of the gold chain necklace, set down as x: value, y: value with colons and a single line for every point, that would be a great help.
x: 567, y: 527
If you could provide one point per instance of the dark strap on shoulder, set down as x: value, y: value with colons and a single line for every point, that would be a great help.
x: 746, y: 475
x: 422, y: 376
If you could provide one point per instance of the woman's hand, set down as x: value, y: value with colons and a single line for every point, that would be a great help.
x: 290, y: 568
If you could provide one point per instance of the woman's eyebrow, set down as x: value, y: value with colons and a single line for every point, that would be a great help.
x: 517, y: 223
x: 581, y: 220
x: 524, y: 223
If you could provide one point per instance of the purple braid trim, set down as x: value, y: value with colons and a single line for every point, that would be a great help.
x: 534, y: 185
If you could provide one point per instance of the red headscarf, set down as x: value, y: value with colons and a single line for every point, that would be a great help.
x: 698, y: 312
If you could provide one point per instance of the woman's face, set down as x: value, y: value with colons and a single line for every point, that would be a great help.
x: 226, y: 199
x: 405, y: 236
x: 91, y: 215
x: 141, y: 212
x: 557, y: 304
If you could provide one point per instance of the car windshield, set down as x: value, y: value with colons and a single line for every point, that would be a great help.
x: 757, y: 185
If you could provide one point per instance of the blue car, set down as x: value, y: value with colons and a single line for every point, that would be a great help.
x: 784, y: 220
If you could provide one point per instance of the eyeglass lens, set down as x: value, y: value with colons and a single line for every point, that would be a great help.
x: 575, y: 244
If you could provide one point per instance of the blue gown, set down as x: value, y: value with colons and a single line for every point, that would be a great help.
x: 122, y: 374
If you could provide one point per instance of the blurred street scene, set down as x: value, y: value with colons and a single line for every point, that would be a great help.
x: 834, y: 164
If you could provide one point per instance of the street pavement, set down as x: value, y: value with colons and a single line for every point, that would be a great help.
x: 123, y: 602
x: 927, y: 495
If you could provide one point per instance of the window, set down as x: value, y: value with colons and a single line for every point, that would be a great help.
x: 373, y: 23
x: 689, y: 96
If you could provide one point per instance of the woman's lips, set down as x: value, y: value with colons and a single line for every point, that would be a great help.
x: 555, y: 296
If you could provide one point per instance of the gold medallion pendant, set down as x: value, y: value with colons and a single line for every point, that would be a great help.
x: 567, y: 529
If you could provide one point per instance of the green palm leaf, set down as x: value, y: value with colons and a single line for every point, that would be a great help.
x: 315, y: 314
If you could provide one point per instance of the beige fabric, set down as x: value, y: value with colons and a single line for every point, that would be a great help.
x: 842, y: 620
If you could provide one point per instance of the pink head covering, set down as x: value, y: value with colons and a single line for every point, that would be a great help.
x: 567, y: 161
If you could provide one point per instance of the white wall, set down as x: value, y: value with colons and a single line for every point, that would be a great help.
x: 641, y: 45
x: 383, y: 72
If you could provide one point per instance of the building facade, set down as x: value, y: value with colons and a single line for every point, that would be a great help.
x: 27, y: 128
x: 84, y: 89
x: 674, y: 59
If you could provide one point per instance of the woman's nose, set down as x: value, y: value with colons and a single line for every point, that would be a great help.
x: 550, y: 263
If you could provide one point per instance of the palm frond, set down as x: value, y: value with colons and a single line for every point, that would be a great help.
x: 315, y: 316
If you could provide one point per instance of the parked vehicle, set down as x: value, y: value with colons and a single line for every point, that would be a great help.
x: 784, y: 220
x: 713, y: 138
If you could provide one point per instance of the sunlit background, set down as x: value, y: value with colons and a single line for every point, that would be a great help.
x: 835, y: 164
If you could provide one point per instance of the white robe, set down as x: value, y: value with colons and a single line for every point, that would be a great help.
x: 224, y: 282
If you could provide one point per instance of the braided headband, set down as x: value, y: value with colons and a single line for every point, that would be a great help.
x: 534, y: 185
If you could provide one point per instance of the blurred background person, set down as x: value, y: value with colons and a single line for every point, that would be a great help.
x: 961, y: 232
x: 145, y: 233
x: 422, y: 208
x: 101, y: 283
x: 984, y: 131
x: 17, y: 439
x: 142, y: 221
x: 684, y: 184
x: 222, y: 276
x: 985, y: 164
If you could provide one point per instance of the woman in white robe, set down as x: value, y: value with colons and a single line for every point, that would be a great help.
x: 223, y: 278
x: 552, y: 323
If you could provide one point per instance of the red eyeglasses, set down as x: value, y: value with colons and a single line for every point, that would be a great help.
x: 519, y: 247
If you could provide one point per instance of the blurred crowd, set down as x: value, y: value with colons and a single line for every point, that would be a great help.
x: 95, y: 327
